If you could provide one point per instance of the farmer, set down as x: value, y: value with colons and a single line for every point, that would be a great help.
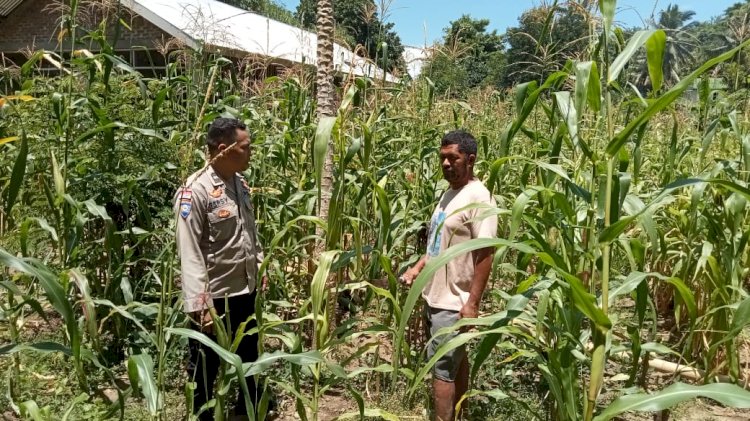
x: 217, y: 242
x: 455, y: 291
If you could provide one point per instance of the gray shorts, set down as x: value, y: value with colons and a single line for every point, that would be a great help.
x: 446, y: 367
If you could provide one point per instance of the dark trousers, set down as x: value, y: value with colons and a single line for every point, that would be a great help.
x: 204, y: 363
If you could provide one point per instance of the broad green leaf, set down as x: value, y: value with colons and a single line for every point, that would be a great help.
x: 498, y: 164
x: 30, y: 409
x: 569, y: 114
x: 636, y: 41
x: 96, y: 130
x: 598, y: 362
x: 595, y: 89
x: 141, y: 373
x: 81, y: 398
x: 43, y: 224
x: 59, y: 181
x: 52, y: 288
x: 347, y: 101
x: 433, y: 265
x: 318, y: 292
x: 740, y: 320
x: 586, y: 302
x: 521, y: 92
x: 17, y: 175
x: 607, y: 7
x: 669, y: 97
x: 655, y: 47
x: 452, y: 344
x: 323, y: 135
x: 43, y: 347
x: 519, y: 206
x: 687, y: 296
x: 613, y: 231
x: 266, y: 360
x: 232, y: 359
x: 97, y: 210
x: 88, y: 306
x: 726, y: 394
x: 583, y: 76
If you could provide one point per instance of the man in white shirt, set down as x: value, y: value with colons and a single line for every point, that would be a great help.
x: 456, y: 289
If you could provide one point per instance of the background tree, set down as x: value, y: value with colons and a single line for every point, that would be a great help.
x: 358, y: 23
x: 468, y: 57
x: 545, y: 38
x: 325, y: 92
x: 678, y: 56
x: 720, y: 35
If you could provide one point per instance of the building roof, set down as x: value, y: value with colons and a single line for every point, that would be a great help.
x: 233, y: 31
x: 7, y: 6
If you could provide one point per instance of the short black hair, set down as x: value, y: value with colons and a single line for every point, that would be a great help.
x: 465, y: 141
x: 223, y: 131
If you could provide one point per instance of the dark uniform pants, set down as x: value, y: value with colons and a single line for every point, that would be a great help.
x: 204, y: 363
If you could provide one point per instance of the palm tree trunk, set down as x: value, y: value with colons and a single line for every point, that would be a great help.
x: 325, y: 104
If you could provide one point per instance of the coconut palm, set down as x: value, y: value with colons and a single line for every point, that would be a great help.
x: 678, y: 52
x: 325, y: 100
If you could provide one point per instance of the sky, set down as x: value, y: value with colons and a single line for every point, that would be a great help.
x: 420, y: 22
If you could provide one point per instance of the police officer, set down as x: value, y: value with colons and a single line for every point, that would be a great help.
x: 217, y: 242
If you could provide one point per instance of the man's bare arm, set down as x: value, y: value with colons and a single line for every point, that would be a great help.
x: 479, y: 283
x: 411, y: 274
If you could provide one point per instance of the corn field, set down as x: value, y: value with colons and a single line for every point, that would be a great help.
x: 621, y: 252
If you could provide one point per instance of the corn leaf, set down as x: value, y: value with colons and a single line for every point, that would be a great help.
x: 655, y: 47
x: 17, y: 175
x: 323, y: 135
x: 727, y: 394
x: 231, y: 358
x: 141, y: 373
x: 433, y: 265
x: 607, y: 7
x: 669, y: 97
x: 636, y: 41
x: 43, y: 347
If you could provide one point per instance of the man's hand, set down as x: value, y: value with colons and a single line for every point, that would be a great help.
x: 469, y: 311
x: 409, y: 276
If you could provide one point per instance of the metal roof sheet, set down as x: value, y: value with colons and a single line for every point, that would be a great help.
x: 7, y: 6
x: 222, y: 26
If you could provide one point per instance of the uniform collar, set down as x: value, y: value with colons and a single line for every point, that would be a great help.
x: 214, y: 176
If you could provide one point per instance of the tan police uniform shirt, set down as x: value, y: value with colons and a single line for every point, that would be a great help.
x: 217, y: 239
x: 451, y: 224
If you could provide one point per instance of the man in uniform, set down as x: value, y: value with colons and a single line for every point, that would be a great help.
x: 220, y: 254
x: 456, y: 289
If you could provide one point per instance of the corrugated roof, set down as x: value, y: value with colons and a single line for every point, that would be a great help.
x: 222, y: 26
x: 7, y: 6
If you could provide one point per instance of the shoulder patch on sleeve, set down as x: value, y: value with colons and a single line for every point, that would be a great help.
x: 185, y: 208
x: 186, y: 202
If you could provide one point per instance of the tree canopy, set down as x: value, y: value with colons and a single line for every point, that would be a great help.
x: 468, y: 57
x: 544, y: 40
x: 358, y: 23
